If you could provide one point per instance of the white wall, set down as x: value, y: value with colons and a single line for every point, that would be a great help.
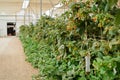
x: 8, y: 18
x: 3, y: 28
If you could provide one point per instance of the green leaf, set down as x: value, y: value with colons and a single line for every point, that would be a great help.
x: 107, y: 7
x: 117, y: 18
x: 112, y: 2
x: 82, y: 78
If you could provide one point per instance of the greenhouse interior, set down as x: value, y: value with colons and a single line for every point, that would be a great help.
x: 60, y: 39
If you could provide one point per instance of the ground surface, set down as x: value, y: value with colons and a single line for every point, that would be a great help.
x: 12, y: 61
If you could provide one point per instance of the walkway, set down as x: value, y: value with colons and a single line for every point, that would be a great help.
x: 12, y: 61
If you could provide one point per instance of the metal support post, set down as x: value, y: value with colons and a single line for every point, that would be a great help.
x: 40, y: 8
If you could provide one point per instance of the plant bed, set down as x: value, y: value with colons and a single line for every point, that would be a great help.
x: 58, y: 46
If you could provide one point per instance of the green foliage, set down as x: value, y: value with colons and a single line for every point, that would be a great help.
x: 117, y: 19
x: 58, y: 46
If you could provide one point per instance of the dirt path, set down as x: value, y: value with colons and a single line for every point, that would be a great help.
x: 12, y: 61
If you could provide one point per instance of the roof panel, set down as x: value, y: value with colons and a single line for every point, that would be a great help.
x: 13, y: 6
x: 1, y: 1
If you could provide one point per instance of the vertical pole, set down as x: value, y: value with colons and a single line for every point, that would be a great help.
x: 15, y: 17
x: 24, y: 17
x: 15, y: 24
x: 36, y: 7
x: 41, y: 24
x: 29, y: 14
x: 40, y: 8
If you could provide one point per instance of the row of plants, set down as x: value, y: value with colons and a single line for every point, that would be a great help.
x: 58, y: 46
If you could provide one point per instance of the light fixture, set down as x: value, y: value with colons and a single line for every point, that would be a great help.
x: 25, y: 4
x: 58, y: 5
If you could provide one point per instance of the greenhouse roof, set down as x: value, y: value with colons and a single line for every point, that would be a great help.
x: 12, y: 7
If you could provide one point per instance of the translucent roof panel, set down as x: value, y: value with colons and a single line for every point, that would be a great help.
x: 9, y: 7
